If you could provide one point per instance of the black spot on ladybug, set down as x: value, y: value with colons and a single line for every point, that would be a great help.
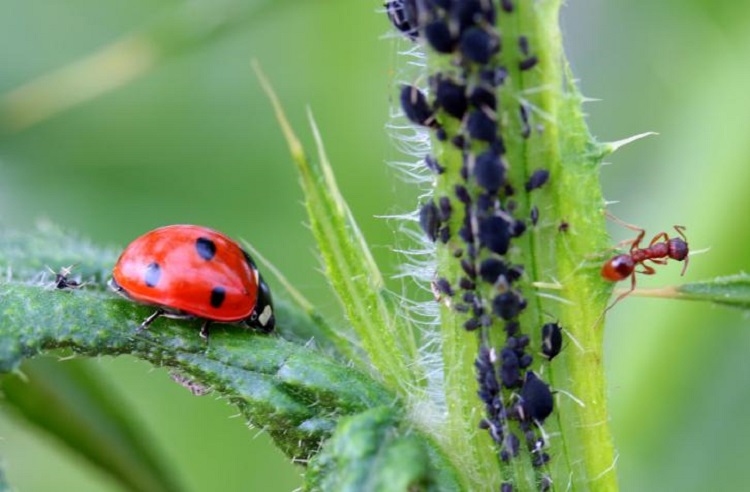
x: 152, y: 275
x: 217, y: 296
x: 206, y: 248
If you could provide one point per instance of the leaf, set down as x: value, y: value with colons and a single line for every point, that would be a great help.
x: 386, y: 338
x: 733, y: 290
x: 89, y: 419
x: 288, y: 389
x: 371, y: 452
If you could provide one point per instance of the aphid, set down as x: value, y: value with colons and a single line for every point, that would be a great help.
x: 471, y: 324
x: 491, y: 269
x: 481, y: 126
x: 415, y: 106
x: 440, y: 37
x: 623, y: 266
x: 551, y: 340
x: 563, y: 227
x: 466, y: 284
x: 481, y: 97
x: 536, y: 402
x: 452, y: 98
x: 523, y: 44
x: 442, y: 286
x: 510, y: 372
x: 429, y: 220
x: 189, y: 271
x: 534, y: 215
x: 478, y: 45
x: 445, y: 208
x: 525, y: 125
x: 463, y: 194
x: 63, y: 281
x: 537, y: 179
x: 402, y: 14
x: 444, y: 234
x: 528, y: 63
x: 507, y: 305
x: 470, y: 12
x: 494, y: 233
x: 494, y: 76
x: 433, y: 165
x: 489, y: 171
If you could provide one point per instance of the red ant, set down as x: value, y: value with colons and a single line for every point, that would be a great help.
x: 623, y: 266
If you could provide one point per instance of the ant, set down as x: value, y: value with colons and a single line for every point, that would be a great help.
x: 623, y: 266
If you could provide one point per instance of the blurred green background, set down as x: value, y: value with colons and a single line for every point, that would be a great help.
x: 193, y: 140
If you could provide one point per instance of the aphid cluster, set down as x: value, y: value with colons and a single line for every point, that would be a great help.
x: 476, y: 219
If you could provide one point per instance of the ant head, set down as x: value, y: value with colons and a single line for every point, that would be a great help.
x: 618, y: 268
x: 678, y: 249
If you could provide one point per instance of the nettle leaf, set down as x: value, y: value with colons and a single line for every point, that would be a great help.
x: 291, y: 390
x: 288, y: 387
x: 733, y: 290
x: 372, y: 451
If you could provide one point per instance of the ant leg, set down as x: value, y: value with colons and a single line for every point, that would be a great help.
x: 625, y: 224
x: 623, y: 295
x: 648, y: 270
x: 204, y: 330
x: 661, y: 235
x: 147, y: 322
x: 681, y: 231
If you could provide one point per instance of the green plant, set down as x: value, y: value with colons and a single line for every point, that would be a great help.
x: 300, y: 395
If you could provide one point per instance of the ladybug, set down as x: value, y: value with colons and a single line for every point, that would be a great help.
x: 189, y: 271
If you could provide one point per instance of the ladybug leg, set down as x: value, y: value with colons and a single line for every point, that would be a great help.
x: 147, y: 322
x: 204, y: 329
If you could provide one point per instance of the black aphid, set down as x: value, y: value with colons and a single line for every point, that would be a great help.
x: 415, y: 106
x: 537, y: 179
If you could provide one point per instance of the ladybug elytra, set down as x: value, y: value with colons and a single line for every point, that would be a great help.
x: 189, y: 271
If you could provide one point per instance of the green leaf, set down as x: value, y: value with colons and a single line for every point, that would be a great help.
x: 89, y: 419
x: 732, y: 291
x: 386, y: 338
x: 290, y: 390
x: 372, y: 452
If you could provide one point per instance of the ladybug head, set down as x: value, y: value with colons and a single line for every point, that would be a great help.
x: 263, y: 317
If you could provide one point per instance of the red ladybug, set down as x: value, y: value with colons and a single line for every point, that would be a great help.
x: 189, y: 271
